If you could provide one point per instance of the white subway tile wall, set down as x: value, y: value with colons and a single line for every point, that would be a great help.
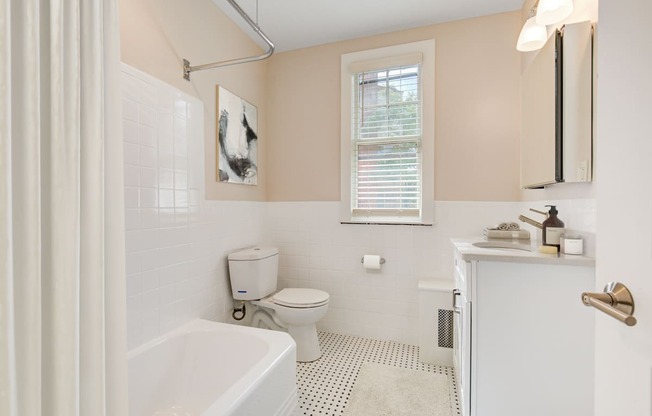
x: 176, y: 241
x: 319, y: 252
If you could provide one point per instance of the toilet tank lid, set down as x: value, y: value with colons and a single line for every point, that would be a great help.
x: 254, y: 253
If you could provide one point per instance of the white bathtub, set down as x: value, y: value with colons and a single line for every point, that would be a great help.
x: 213, y: 369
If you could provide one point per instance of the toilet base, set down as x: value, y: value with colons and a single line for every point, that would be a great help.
x: 305, y: 336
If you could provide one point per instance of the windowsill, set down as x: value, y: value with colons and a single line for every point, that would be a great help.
x: 386, y: 222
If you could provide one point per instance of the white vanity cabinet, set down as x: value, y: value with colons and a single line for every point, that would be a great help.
x: 524, y: 340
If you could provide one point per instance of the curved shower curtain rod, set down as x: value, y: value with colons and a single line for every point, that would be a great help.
x: 187, y: 69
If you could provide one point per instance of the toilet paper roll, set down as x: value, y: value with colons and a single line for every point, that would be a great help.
x: 371, y: 262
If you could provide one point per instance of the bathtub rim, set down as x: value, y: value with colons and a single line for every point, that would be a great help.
x: 281, y: 347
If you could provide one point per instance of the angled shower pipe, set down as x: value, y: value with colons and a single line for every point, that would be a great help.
x: 187, y: 69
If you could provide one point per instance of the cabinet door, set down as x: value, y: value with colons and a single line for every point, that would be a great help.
x: 464, y: 380
x: 539, y: 119
x: 578, y: 101
x: 532, y: 340
x: 462, y: 338
x: 556, y: 110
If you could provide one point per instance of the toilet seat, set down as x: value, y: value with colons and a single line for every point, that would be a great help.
x: 300, y: 298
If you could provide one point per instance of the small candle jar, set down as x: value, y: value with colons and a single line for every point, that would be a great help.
x: 571, y: 244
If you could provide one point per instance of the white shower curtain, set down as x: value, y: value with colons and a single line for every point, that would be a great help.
x: 62, y: 295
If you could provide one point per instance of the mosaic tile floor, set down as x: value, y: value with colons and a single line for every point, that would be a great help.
x: 325, y: 385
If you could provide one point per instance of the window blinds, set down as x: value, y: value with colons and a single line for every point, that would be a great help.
x: 386, y: 179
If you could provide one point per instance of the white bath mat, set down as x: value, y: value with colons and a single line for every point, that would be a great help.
x: 382, y: 390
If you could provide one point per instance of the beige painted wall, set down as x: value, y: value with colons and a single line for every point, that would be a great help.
x: 157, y: 34
x: 297, y: 94
x: 477, y: 99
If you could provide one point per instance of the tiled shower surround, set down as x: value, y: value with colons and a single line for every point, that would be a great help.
x: 177, y: 242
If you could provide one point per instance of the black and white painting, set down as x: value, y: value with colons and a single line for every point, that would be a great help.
x: 237, y: 139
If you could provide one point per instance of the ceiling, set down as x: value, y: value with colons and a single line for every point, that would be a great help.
x: 294, y: 24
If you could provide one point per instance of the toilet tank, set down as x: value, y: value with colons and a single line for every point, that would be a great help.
x: 253, y: 272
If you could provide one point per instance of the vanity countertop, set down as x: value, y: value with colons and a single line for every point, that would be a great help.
x: 514, y: 252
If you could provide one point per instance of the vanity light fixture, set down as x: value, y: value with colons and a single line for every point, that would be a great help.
x: 533, y: 36
x: 550, y: 12
x: 544, y: 12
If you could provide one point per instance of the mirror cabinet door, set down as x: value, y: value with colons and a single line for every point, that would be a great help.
x: 578, y: 102
x: 556, y: 110
x: 538, y: 115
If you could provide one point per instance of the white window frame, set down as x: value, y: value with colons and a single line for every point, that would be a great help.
x: 353, y: 63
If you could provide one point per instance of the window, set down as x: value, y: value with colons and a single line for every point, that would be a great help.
x: 386, y: 179
x: 387, y: 134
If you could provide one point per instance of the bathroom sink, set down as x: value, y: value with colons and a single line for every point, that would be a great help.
x: 500, y: 245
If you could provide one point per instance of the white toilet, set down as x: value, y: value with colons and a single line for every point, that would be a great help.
x: 254, y: 273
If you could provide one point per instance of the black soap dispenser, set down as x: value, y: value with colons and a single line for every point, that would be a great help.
x: 553, y: 228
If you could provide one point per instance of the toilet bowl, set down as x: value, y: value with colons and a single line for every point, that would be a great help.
x: 253, y: 273
x: 298, y: 310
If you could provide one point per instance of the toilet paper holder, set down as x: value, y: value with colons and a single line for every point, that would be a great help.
x: 382, y: 260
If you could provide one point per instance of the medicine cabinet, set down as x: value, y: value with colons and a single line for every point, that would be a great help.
x: 556, y: 110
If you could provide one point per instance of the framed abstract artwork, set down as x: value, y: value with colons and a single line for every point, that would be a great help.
x: 237, y: 139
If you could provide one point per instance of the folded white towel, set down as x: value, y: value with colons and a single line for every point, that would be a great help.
x: 520, y: 234
x: 506, y: 226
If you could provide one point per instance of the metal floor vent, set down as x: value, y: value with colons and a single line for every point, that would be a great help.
x: 444, y: 328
